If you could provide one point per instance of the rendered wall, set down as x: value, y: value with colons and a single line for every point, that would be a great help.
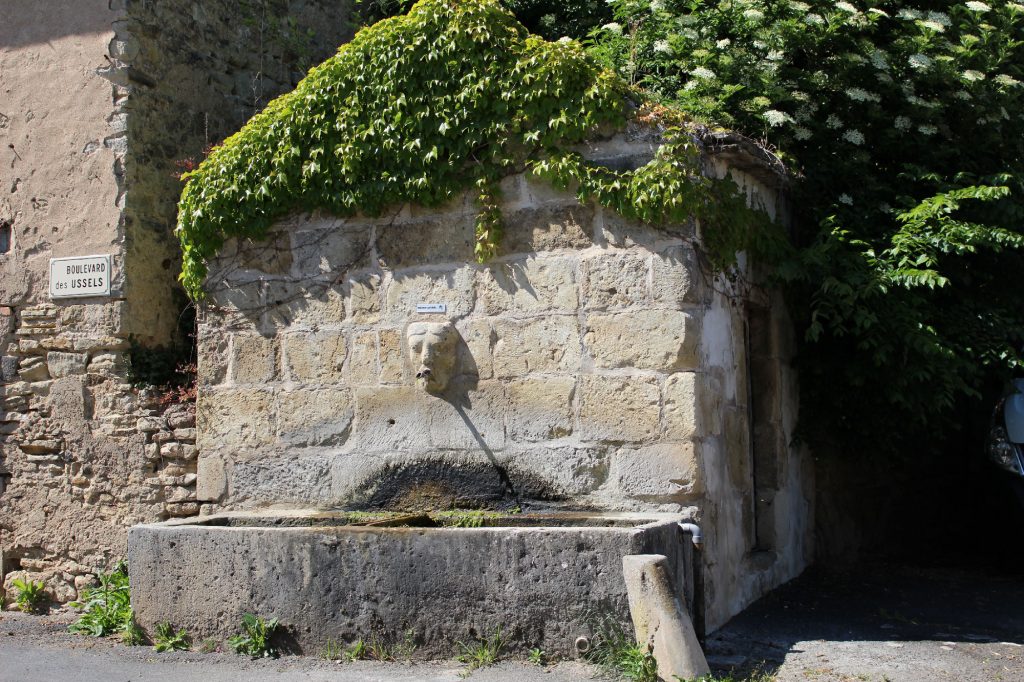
x: 599, y: 365
x: 98, y: 99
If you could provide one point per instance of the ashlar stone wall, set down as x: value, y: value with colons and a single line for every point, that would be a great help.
x: 599, y: 364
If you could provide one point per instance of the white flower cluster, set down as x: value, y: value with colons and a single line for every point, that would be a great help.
x: 801, y: 133
x: 723, y: 43
x: 846, y: 199
x: 662, y: 47
x: 813, y: 20
x: 1008, y: 81
x: 976, y: 6
x: 846, y: 7
x: 614, y: 27
x: 862, y: 95
x: 919, y: 61
x: 909, y: 14
x: 927, y: 130
x: 972, y: 76
x: 834, y: 121
x: 798, y: 6
x: 657, y: 5
x: 901, y: 123
x: 702, y: 72
x: 879, y: 12
x: 776, y: 118
x: 879, y: 61
x: 854, y: 137
x: 753, y: 14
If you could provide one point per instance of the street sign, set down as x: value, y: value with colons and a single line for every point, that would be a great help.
x: 80, y: 276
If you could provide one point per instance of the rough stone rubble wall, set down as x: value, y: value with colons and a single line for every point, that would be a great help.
x: 99, y: 101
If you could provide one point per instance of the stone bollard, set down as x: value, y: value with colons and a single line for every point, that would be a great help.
x: 659, y: 618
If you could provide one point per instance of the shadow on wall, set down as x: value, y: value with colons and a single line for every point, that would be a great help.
x: 32, y: 22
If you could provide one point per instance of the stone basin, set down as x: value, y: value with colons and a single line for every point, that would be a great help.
x: 542, y: 579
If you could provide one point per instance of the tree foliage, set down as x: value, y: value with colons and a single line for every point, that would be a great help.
x: 905, y: 120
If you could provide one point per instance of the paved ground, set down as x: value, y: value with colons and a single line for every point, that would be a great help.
x: 887, y: 623
x: 890, y: 623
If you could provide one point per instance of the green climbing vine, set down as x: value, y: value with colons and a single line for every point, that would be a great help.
x: 449, y: 97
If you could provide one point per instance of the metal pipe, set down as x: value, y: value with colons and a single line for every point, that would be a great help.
x: 697, y: 538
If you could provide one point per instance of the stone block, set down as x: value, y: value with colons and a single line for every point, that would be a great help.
x: 303, y: 304
x: 547, y: 344
x: 546, y: 228
x: 173, y: 450
x: 331, y: 251
x: 363, y: 299
x: 8, y: 369
x: 657, y: 473
x: 546, y: 472
x: 532, y: 285
x: 709, y: 402
x: 665, y: 340
x: 540, y: 408
x: 33, y: 369
x: 66, y: 364
x: 455, y: 288
x: 617, y: 280
x: 389, y: 418
x: 271, y: 255
x: 363, y: 368
x: 473, y: 422
x: 427, y: 241
x: 676, y: 277
x: 390, y: 355
x: 150, y: 424
x: 619, y: 408
x: 680, y: 406
x: 737, y: 447
x: 541, y: 191
x: 475, y: 351
x: 315, y: 356
x: 625, y: 233
x: 211, y: 355
x: 180, y: 417
x: 254, y: 359
x: 297, y: 479
x: 321, y: 416
x: 233, y: 419
x: 233, y: 306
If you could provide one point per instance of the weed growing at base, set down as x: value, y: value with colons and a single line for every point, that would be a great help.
x: 484, y: 652
x: 167, y: 639
x: 106, y: 609
x: 31, y: 595
x: 254, y: 640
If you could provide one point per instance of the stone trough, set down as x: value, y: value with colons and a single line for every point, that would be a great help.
x: 543, y: 580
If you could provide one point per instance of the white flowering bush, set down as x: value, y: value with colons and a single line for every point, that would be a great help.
x: 905, y: 123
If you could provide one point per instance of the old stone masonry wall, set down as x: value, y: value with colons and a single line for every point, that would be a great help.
x: 575, y: 373
x: 595, y: 363
x: 102, y: 104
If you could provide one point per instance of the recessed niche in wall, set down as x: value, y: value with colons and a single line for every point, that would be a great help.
x: 5, y: 236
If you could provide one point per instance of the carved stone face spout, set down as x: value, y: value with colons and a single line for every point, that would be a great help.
x: 432, y: 349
